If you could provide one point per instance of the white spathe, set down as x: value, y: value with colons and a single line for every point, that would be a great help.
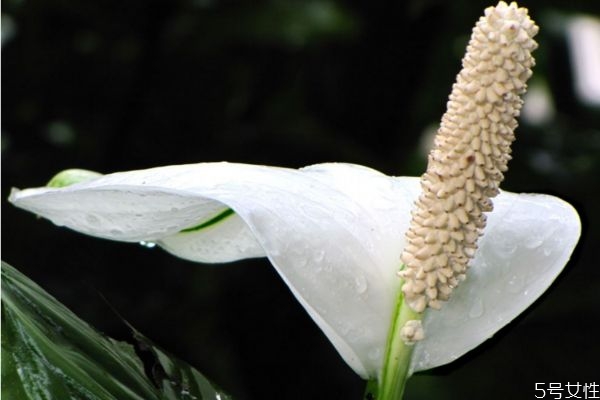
x: 334, y: 232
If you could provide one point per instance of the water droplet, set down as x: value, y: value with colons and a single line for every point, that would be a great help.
x: 426, y: 357
x: 360, y: 283
x: 505, y: 248
x: 356, y: 335
x: 148, y: 245
x: 534, y: 243
x: 319, y: 256
x: 476, y: 309
x: 322, y: 311
x: 343, y: 329
x: 374, y: 354
x: 514, y: 284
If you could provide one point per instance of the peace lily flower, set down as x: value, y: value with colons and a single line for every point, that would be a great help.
x: 465, y: 167
x: 334, y: 232
x: 339, y: 233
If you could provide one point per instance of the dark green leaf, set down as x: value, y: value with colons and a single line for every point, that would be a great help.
x: 178, y: 379
x: 49, y: 353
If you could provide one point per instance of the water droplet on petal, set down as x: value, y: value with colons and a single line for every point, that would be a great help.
x: 514, y: 284
x: 148, y: 245
x: 343, y: 329
x: 319, y: 256
x: 360, y: 283
x: 534, y: 243
x: 505, y: 248
x: 374, y: 354
x: 476, y: 309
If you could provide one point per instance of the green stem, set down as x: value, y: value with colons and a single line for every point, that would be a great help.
x: 396, y: 365
x: 398, y: 355
x: 371, y: 390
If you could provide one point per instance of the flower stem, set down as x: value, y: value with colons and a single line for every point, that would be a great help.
x: 396, y: 365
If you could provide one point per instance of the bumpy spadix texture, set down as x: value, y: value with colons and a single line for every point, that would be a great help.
x: 470, y: 153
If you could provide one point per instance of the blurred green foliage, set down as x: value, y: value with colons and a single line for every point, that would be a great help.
x: 115, y: 85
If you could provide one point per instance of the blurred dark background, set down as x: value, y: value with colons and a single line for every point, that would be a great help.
x: 119, y: 85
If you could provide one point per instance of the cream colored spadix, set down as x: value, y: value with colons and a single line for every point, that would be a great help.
x: 334, y: 232
x: 470, y: 154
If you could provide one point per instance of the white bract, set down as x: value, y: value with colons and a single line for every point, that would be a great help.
x: 334, y: 232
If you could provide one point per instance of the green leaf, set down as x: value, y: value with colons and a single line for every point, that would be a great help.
x: 178, y: 379
x: 49, y: 353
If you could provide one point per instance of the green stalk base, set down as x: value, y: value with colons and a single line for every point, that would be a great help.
x: 395, y: 372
